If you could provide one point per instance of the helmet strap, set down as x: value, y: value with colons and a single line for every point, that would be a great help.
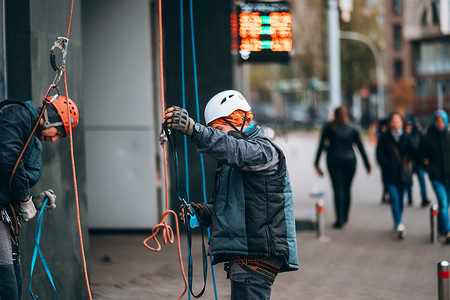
x: 229, y: 123
x: 234, y: 127
x: 47, y: 123
x: 245, y: 119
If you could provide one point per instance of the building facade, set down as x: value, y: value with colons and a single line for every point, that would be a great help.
x: 418, y: 56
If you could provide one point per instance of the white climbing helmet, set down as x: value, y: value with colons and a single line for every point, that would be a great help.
x: 224, y: 104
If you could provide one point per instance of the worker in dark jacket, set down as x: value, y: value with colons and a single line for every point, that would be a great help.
x: 394, y: 154
x: 435, y: 150
x: 338, y: 138
x: 17, y: 120
x: 251, y: 212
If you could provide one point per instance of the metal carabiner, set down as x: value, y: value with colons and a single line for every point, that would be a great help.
x: 163, y: 137
x: 61, y: 43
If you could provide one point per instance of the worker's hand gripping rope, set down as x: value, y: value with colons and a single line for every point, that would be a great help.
x: 40, y: 199
x: 190, y: 211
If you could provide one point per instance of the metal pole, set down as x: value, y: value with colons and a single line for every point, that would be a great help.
x: 443, y: 277
x: 320, y: 207
x: 433, y: 224
x: 334, y: 55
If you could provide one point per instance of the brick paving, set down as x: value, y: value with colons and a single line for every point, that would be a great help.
x: 362, y: 261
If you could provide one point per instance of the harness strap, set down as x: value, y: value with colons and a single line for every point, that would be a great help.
x: 257, y: 266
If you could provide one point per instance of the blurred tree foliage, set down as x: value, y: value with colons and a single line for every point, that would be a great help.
x: 358, y: 68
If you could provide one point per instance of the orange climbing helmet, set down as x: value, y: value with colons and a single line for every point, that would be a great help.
x: 60, y: 104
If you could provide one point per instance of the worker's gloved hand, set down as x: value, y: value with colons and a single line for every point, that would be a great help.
x: 180, y: 120
x: 197, y: 209
x: 39, y: 200
x: 27, y: 209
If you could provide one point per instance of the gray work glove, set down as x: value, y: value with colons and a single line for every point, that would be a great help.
x: 181, y: 121
x: 39, y: 200
x: 27, y: 209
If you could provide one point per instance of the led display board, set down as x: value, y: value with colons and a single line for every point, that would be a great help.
x: 262, y: 31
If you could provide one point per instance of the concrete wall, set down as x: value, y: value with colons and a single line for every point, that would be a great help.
x: 31, y: 29
x: 122, y: 126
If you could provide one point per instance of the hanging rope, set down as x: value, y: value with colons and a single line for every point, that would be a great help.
x: 77, y: 203
x: 166, y: 229
x: 197, y: 106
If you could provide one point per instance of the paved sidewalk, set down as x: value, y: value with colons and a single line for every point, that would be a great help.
x: 362, y: 261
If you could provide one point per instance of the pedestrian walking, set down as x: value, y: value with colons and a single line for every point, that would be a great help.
x: 435, y: 150
x: 17, y: 120
x: 251, y: 212
x: 414, y: 130
x: 382, y: 128
x: 394, y: 154
x: 338, y: 138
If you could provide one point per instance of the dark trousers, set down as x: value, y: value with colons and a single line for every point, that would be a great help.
x: 341, y: 177
x: 246, y: 286
x: 10, y: 273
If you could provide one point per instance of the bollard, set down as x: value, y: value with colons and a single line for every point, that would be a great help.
x: 320, y: 207
x: 443, y: 277
x: 433, y: 224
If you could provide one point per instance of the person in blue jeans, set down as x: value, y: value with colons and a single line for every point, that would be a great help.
x: 435, y: 150
x: 414, y: 130
x: 394, y: 153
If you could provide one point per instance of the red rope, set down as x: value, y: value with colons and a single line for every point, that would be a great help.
x: 77, y: 203
x: 167, y: 231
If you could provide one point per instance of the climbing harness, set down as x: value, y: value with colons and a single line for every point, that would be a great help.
x: 37, y: 250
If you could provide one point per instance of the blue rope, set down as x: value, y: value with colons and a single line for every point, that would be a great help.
x: 183, y: 89
x: 37, y: 249
x: 194, y: 62
x: 186, y: 163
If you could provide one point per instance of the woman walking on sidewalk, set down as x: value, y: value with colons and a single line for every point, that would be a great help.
x: 338, y: 138
x: 394, y: 152
x: 436, y: 154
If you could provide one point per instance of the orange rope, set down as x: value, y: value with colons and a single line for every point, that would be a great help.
x: 167, y: 230
x: 74, y: 171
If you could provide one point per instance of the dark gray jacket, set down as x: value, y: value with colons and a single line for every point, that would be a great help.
x: 16, y: 123
x: 251, y: 211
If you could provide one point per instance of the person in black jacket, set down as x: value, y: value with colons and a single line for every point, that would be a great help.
x: 17, y: 120
x: 394, y: 153
x: 435, y: 150
x: 414, y: 130
x: 338, y: 138
x: 382, y: 128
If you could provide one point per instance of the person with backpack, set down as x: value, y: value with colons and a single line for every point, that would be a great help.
x: 394, y: 153
x: 251, y: 212
x: 435, y: 151
x: 22, y: 128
